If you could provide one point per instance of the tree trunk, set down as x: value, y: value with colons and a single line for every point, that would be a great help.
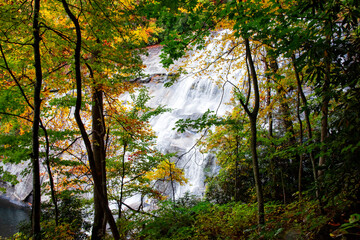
x: 268, y: 102
x: 270, y: 129
x: 308, y: 126
x: 301, y: 142
x: 97, y: 181
x: 52, y: 185
x: 98, y: 130
x: 122, y: 180
x: 253, y: 117
x: 36, y: 205
x: 237, y: 163
x: 324, y: 112
x: 255, y: 163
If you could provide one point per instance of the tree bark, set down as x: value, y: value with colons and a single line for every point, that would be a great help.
x: 97, y: 181
x: 255, y: 163
x: 324, y: 111
x: 268, y: 102
x: 122, y: 180
x: 36, y: 205
x: 308, y: 125
x: 253, y: 143
x: 270, y: 128
x: 51, y: 179
x: 237, y: 163
x: 301, y: 141
x: 98, y: 146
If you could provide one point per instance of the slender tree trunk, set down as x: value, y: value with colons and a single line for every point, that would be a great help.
x: 172, y: 183
x: 301, y: 141
x: 255, y: 163
x: 268, y: 102
x: 52, y: 186
x: 237, y: 161
x: 122, y: 180
x: 324, y: 112
x: 98, y: 135
x: 308, y: 126
x: 324, y: 128
x: 36, y: 205
x: 270, y: 128
x: 104, y: 187
x: 97, y: 180
x: 283, y: 186
x: 298, y: 102
x: 253, y: 117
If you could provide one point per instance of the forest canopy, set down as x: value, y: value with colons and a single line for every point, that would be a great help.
x: 287, y: 153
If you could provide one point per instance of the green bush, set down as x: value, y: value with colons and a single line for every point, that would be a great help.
x: 71, y: 225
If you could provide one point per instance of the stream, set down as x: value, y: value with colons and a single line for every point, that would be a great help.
x: 11, y: 215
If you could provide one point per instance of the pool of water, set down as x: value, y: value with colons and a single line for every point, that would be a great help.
x: 11, y: 215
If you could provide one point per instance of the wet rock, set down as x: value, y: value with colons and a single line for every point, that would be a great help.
x: 22, y: 190
x: 292, y: 234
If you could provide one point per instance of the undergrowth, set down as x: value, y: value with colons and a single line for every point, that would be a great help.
x: 302, y: 219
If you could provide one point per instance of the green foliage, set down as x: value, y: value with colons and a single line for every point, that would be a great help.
x: 344, y: 149
x: 136, y: 163
x: 141, y: 111
x: 206, y: 120
x: 7, y: 177
x: 172, y: 78
x: 171, y: 222
x: 350, y: 229
x: 72, y: 220
x: 15, y: 147
x: 181, y: 21
x: 321, y: 36
x: 189, y: 218
x: 222, y: 188
x: 174, y: 220
x: 10, y: 103
x: 66, y: 101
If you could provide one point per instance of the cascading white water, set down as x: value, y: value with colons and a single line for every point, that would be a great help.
x: 189, y: 97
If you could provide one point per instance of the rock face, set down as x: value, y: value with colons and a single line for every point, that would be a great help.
x: 22, y: 190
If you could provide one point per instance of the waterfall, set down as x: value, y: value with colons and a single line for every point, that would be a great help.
x: 189, y: 97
